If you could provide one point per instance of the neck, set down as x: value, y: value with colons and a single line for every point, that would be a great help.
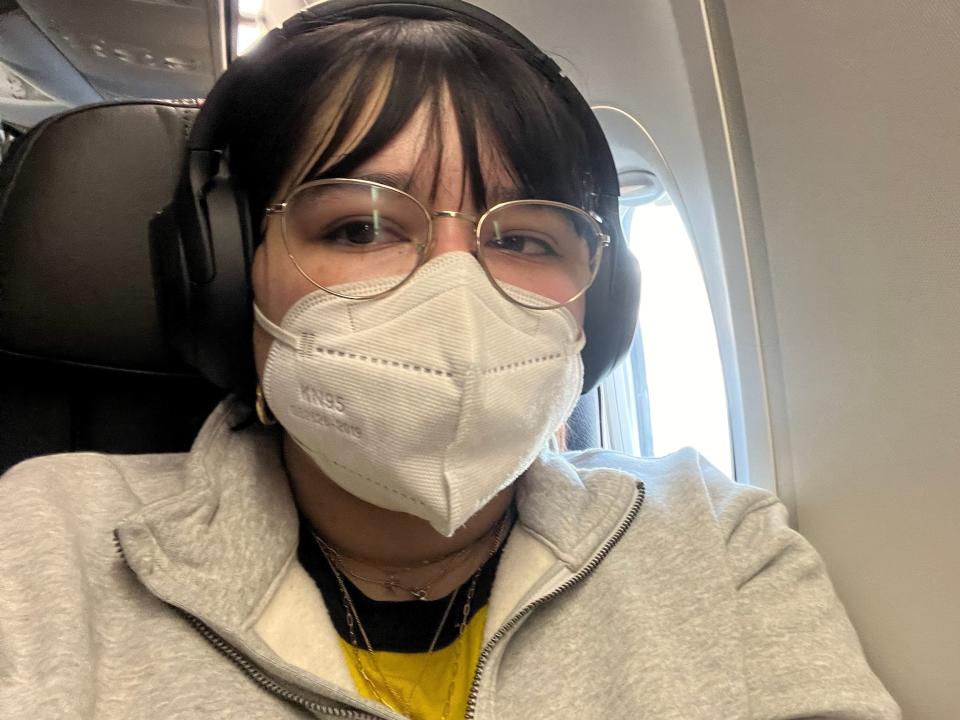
x: 386, y: 537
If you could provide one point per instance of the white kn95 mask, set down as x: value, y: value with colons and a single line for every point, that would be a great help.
x: 429, y: 400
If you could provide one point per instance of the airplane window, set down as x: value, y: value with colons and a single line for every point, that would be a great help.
x: 250, y: 25
x: 669, y: 392
x: 250, y: 8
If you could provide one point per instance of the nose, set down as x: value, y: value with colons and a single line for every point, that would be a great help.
x: 453, y: 232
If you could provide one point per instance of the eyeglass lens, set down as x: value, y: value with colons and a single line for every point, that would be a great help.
x: 341, y: 232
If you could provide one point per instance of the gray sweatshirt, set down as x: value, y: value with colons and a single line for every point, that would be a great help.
x: 167, y: 586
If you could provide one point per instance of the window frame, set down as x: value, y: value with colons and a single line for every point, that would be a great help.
x: 719, y: 237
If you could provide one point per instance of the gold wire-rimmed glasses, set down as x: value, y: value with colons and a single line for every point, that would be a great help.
x: 540, y: 254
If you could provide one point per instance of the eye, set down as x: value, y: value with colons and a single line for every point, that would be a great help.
x: 363, y: 233
x: 353, y: 233
x: 524, y: 243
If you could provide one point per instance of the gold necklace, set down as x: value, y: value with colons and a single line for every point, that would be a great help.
x: 400, y: 702
x: 419, y: 565
x: 353, y: 619
x: 392, y: 582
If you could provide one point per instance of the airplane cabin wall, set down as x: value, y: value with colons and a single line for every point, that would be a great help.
x: 853, y: 111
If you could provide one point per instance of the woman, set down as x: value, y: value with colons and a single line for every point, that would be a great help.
x: 391, y: 539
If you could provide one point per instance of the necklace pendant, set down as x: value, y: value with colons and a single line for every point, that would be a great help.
x: 419, y: 594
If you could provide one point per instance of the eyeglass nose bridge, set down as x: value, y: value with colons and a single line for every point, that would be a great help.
x: 472, y: 219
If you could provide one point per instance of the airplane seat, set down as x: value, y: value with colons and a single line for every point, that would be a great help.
x: 83, y: 361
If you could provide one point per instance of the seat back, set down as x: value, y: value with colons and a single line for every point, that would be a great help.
x: 83, y: 361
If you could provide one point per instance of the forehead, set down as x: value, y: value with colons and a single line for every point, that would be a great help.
x: 427, y: 159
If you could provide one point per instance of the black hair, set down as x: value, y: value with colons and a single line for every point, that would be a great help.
x: 505, y: 110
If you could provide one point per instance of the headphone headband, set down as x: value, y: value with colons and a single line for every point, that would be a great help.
x: 205, y: 131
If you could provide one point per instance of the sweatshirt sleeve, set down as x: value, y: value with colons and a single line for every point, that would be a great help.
x: 51, y: 556
x: 801, y: 655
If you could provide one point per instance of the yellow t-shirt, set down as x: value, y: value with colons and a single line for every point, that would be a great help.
x: 419, y: 684
x: 426, y: 683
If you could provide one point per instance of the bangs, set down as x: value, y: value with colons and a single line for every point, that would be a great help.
x: 506, y: 115
x: 374, y: 76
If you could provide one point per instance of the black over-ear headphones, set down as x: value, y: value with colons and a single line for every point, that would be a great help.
x: 204, y: 278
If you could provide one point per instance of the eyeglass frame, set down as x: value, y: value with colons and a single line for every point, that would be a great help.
x: 423, y: 247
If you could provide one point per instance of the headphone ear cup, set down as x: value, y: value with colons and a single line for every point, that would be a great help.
x: 613, y: 305
x: 170, y: 281
x: 221, y: 312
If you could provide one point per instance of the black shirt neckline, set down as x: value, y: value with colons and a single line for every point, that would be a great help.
x: 402, y: 626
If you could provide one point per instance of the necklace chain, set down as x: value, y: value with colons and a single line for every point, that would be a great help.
x: 353, y: 625
x: 451, y: 561
x: 359, y: 559
x: 392, y: 581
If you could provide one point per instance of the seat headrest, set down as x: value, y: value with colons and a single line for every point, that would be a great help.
x: 77, y: 194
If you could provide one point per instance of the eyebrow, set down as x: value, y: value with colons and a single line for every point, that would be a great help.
x: 395, y: 180
x: 402, y: 181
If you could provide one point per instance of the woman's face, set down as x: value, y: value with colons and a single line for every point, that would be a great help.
x: 277, y: 285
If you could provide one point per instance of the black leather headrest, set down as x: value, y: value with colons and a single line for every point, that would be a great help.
x: 77, y: 194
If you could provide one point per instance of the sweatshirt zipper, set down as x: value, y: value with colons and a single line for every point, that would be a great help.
x: 280, y: 691
x: 575, y: 580
x: 265, y: 680
x: 260, y: 677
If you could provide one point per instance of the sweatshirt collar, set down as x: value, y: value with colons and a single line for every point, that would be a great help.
x: 217, y: 548
x: 214, y: 548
